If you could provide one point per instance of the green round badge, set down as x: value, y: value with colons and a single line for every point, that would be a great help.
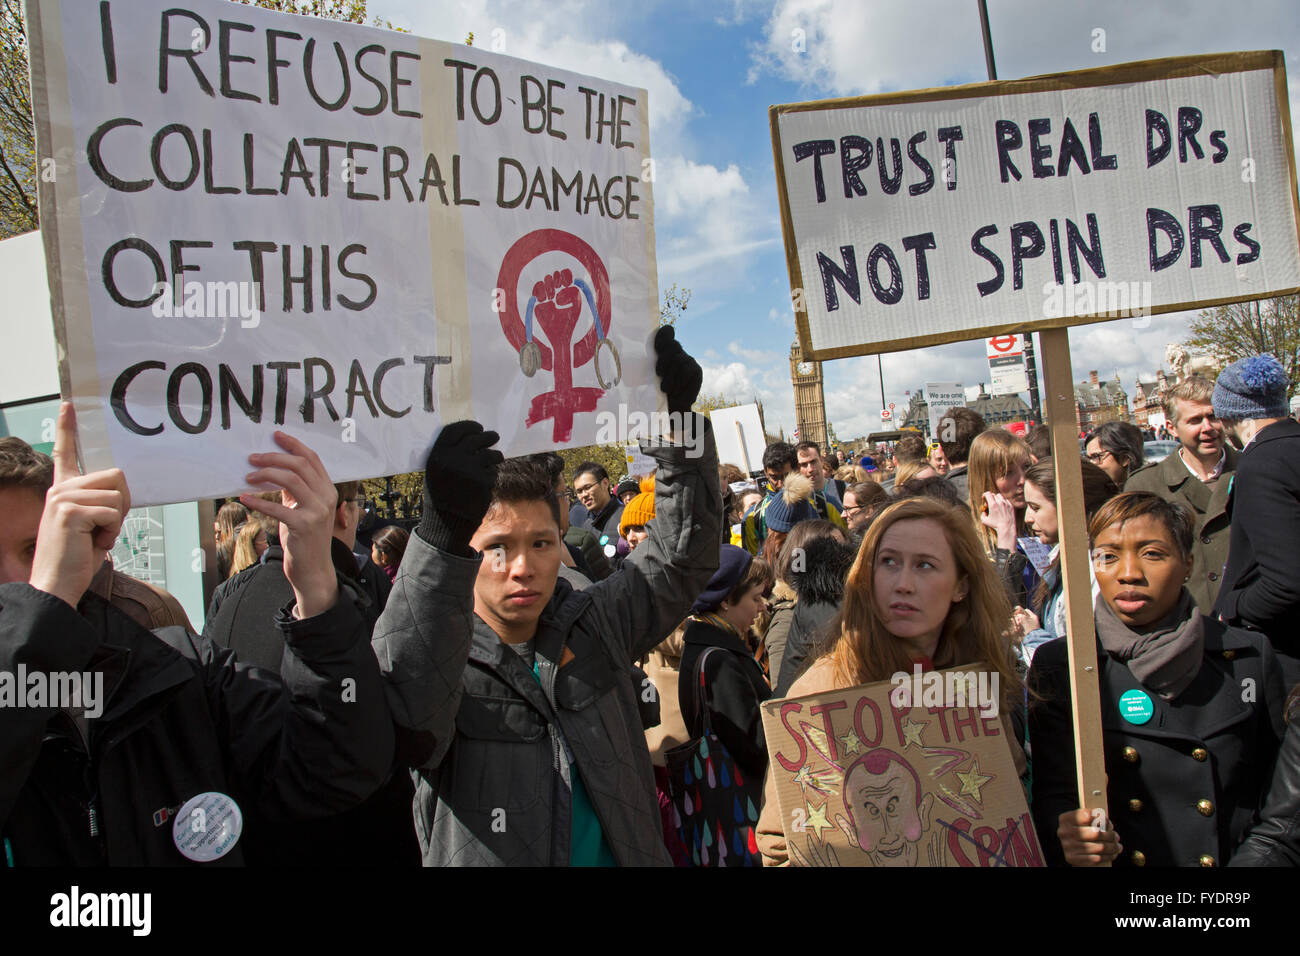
x: 1136, y: 707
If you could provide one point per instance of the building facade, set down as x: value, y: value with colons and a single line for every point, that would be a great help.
x: 1149, y: 399
x: 1097, y: 402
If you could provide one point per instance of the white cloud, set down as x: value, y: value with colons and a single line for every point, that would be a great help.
x: 752, y: 355
x: 732, y: 380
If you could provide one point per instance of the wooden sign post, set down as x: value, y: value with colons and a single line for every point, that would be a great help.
x: 1085, y: 690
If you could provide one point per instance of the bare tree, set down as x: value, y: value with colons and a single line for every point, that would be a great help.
x: 1232, y: 332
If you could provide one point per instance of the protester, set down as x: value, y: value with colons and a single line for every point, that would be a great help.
x: 638, y: 512
x: 909, y: 470
x: 940, y: 489
x: 819, y: 584
x: 997, y: 499
x: 185, y: 718
x: 472, y: 649
x: 26, y: 477
x: 387, y: 548
x: 1261, y: 582
x: 1275, y: 840
x: 779, y: 460
x: 1198, y: 476
x: 250, y: 545
x: 1039, y: 441
x: 1187, y: 752
x: 1047, y: 619
x: 791, y: 560
x: 794, y: 504
x: 922, y: 592
x: 862, y: 502
x: 229, y: 517
x: 851, y: 475
x: 813, y: 467
x: 937, y: 460
x: 732, y: 681
x: 599, y: 511
x: 628, y: 488
x: 1116, y: 448
x: 957, y: 430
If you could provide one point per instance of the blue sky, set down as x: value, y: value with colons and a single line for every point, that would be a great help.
x: 712, y: 68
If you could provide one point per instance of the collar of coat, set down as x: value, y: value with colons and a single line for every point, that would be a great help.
x: 706, y: 635
x: 1173, y: 472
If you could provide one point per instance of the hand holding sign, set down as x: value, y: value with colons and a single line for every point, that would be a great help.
x: 83, y: 514
x: 1085, y: 844
x: 306, y: 516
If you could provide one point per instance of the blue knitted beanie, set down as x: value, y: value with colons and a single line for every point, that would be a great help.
x: 1253, y: 387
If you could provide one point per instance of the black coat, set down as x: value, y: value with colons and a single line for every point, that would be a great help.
x: 1276, y: 840
x: 179, y: 721
x: 820, y: 587
x: 1183, y: 788
x: 1261, y: 582
x: 735, y: 687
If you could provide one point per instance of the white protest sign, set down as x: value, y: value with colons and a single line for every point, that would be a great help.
x: 739, y: 433
x: 638, y: 463
x: 939, y: 397
x: 1007, y: 371
x: 264, y: 221
x: 931, y: 216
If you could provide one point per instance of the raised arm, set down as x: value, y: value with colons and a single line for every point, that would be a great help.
x: 660, y: 580
x: 423, y: 637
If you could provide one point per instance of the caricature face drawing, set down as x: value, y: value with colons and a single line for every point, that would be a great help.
x: 887, y: 813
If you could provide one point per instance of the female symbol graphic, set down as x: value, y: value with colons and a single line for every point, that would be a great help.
x: 556, y: 304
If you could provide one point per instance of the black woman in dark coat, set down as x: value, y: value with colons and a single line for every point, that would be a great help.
x: 734, y: 681
x: 1190, y: 708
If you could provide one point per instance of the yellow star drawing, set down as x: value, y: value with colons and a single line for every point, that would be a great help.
x: 912, y: 732
x: 804, y: 776
x: 852, y: 742
x: 817, y: 819
x: 972, y: 781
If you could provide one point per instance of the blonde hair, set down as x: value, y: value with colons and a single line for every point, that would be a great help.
x: 245, y: 554
x: 975, y: 630
x: 909, y: 470
x: 853, y: 474
x: 992, y: 454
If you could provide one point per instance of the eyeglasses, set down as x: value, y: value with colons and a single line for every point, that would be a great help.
x: 1097, y: 457
x: 850, y: 511
x: 584, y: 489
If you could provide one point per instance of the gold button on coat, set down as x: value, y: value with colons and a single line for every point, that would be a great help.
x: 1207, y: 860
x: 1130, y: 755
x: 1229, y: 655
x: 1135, y: 804
x: 1205, y: 807
x: 1200, y: 753
x: 1139, y: 858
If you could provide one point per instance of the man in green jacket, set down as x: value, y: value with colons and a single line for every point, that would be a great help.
x: 1197, y: 475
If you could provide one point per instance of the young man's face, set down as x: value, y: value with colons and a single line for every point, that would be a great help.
x: 20, y: 520
x: 810, y: 464
x: 593, y: 494
x: 775, y: 477
x: 521, y: 545
x: 1197, y: 429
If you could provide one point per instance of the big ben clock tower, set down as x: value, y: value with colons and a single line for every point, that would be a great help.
x: 809, y: 400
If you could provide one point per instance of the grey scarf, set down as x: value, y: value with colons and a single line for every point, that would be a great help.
x: 1165, y: 659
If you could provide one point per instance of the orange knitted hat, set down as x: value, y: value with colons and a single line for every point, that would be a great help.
x: 641, y: 509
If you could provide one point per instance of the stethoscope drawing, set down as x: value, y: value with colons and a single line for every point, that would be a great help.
x: 530, y: 355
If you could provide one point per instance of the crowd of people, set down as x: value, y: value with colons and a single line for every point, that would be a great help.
x: 530, y: 679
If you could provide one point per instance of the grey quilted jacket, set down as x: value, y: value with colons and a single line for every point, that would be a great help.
x: 483, y: 738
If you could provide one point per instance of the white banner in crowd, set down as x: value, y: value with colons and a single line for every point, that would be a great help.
x: 939, y: 397
x: 262, y: 221
x: 932, y: 216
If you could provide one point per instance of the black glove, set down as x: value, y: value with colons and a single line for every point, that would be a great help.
x: 458, y: 480
x: 680, y: 376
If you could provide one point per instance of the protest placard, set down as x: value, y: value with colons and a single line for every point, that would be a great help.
x: 261, y: 221
x: 931, y: 216
x: 739, y: 433
x: 886, y: 775
x: 939, y: 397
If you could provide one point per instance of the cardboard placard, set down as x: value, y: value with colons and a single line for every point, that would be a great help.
x: 739, y: 433
x: 863, y: 782
x: 930, y: 216
x: 939, y: 397
x: 262, y: 221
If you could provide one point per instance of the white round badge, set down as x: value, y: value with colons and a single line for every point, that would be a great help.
x: 207, y: 827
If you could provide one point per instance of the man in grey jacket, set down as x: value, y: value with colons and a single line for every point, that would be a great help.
x: 510, y: 689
